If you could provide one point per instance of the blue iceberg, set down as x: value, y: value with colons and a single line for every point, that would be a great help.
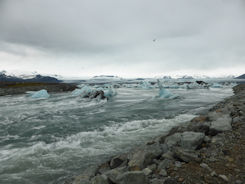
x: 42, y: 94
x: 84, y: 91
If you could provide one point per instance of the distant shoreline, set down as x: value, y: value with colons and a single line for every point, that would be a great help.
x: 16, y: 88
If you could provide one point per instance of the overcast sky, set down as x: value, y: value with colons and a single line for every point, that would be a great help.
x: 128, y: 38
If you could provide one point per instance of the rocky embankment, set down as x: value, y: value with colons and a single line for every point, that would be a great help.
x: 14, y: 88
x: 209, y: 149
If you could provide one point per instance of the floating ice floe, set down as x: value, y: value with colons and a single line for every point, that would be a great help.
x: 217, y: 85
x: 42, y: 94
x: 146, y: 85
x: 92, y: 92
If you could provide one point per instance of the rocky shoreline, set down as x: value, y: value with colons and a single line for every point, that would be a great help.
x: 208, y: 149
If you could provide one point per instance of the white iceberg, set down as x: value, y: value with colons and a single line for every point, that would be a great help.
x: 217, y: 85
x: 42, y: 94
x: 85, y: 90
x: 109, y: 93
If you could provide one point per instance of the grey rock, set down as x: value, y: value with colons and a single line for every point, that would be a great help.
x: 178, y: 164
x: 207, y: 139
x: 200, y: 127
x: 205, y: 166
x: 156, y: 181
x: 173, y: 140
x: 238, y: 182
x: 167, y: 155
x: 165, y: 164
x: 133, y: 177
x: 224, y: 177
x: 152, y: 167
x: 114, y: 173
x: 187, y: 140
x: 117, y: 161
x: 191, y: 140
x: 236, y: 120
x: 220, y: 125
x: 170, y: 181
x: 100, y: 179
x: 213, y: 173
x: 163, y: 173
x: 144, y: 156
x: 147, y: 171
x: 186, y: 155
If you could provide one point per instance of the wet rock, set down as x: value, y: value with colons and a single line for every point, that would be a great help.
x: 100, y: 179
x: 200, y: 119
x: 170, y: 181
x: 133, y: 177
x: 103, y: 168
x: 187, y: 140
x: 157, y: 181
x: 147, y: 171
x: 220, y: 125
x: 114, y: 173
x: 152, y: 167
x: 167, y: 155
x: 186, y: 155
x: 173, y: 140
x: 205, y: 166
x: 200, y: 127
x: 117, y: 161
x: 213, y: 173
x: 84, y: 178
x: 143, y: 157
x: 191, y: 140
x: 165, y: 164
x: 178, y: 164
x: 163, y: 173
x: 238, y: 182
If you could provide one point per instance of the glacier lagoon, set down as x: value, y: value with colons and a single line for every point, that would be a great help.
x: 46, y: 141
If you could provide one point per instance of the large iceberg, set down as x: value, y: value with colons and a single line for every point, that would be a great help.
x: 98, y: 92
x: 42, y: 94
x: 84, y: 91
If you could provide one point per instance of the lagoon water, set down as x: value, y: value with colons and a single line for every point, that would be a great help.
x: 45, y: 141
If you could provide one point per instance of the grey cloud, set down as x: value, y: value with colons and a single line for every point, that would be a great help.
x: 189, y: 34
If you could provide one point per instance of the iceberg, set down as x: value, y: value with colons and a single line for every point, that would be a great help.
x: 145, y: 85
x: 164, y: 93
x: 85, y: 90
x: 42, y: 94
x: 217, y: 85
x: 109, y: 93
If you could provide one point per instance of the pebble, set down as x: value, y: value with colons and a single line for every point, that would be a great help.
x: 205, y: 166
x: 163, y: 172
x: 224, y: 177
x: 147, y: 171
x: 213, y: 173
x: 238, y: 182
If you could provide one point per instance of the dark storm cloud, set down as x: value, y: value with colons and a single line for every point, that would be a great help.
x: 194, y: 34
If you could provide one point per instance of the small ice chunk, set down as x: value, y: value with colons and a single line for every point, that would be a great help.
x: 164, y: 93
x: 109, y: 93
x: 217, y: 85
x: 40, y: 94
